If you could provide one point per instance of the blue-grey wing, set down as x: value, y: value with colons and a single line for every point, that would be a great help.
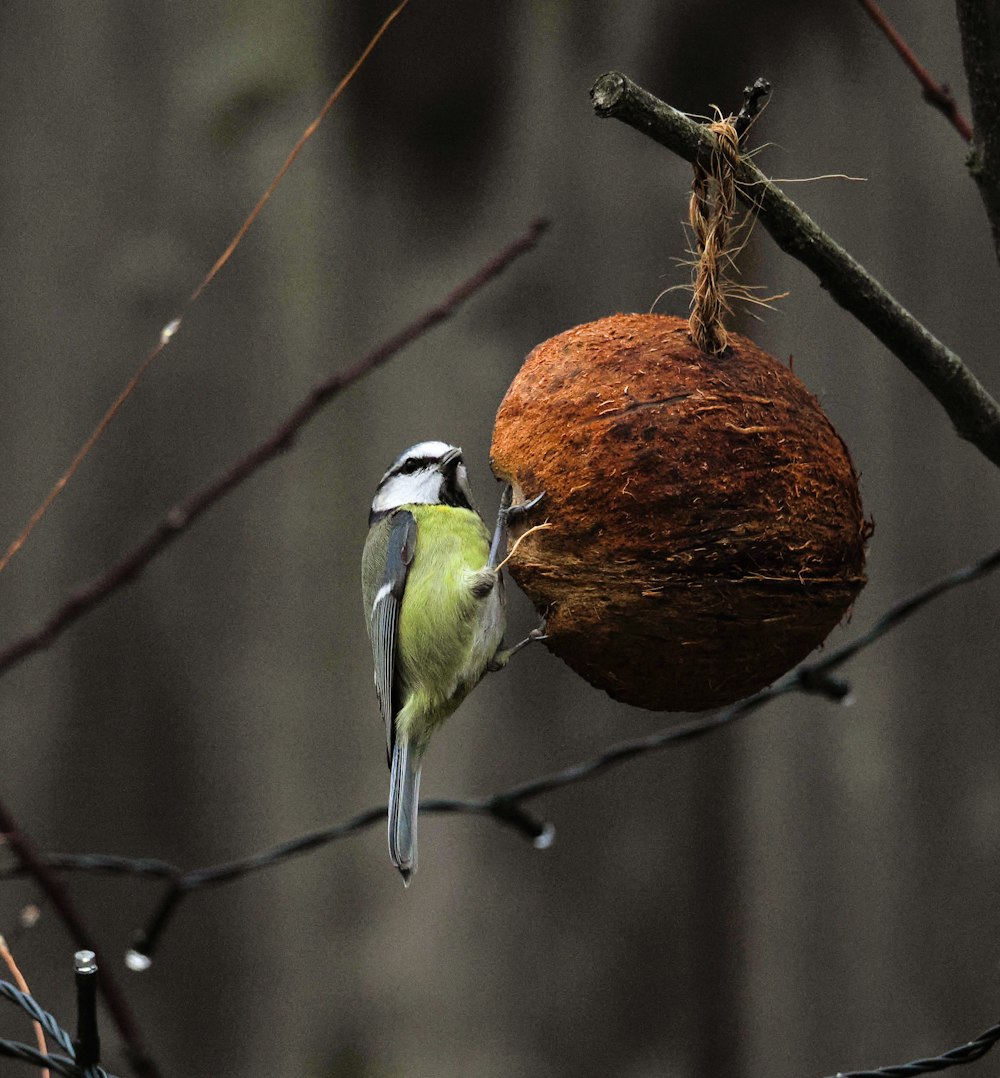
x: 385, y: 619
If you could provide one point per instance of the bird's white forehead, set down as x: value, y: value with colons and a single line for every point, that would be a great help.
x: 432, y: 449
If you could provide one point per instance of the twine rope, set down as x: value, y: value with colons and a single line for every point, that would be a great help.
x: 711, y: 212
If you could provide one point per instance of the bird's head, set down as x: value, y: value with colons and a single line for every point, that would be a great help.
x: 429, y: 473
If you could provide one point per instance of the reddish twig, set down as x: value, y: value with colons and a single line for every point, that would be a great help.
x: 294, y: 152
x: 22, y: 984
x: 182, y: 515
x: 173, y: 326
x: 34, y: 864
x: 935, y: 93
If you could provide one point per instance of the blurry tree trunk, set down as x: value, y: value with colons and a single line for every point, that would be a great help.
x: 979, y: 22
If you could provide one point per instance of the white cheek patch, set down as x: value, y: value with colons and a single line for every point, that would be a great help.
x: 420, y: 488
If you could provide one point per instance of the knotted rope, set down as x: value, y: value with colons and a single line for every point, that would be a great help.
x: 711, y: 212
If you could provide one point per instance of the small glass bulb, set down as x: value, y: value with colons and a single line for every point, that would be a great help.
x: 546, y: 838
x: 137, y: 961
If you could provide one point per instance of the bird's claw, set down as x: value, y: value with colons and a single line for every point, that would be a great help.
x: 506, y: 514
x: 500, y: 660
x: 515, y: 512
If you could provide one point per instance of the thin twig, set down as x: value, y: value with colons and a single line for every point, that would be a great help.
x: 182, y: 515
x: 935, y: 93
x: 168, y: 332
x: 754, y: 99
x: 975, y: 414
x: 296, y: 149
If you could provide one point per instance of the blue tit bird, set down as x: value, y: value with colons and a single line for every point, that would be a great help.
x: 434, y: 604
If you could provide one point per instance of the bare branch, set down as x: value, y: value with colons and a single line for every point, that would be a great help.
x: 935, y: 93
x: 974, y: 413
x: 182, y: 515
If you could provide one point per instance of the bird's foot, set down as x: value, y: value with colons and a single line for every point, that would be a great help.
x: 500, y: 660
x: 506, y: 514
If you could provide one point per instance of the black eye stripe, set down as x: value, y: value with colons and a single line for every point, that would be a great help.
x: 414, y: 464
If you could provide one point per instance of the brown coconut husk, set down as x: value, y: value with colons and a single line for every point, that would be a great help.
x: 708, y: 530
x: 707, y: 526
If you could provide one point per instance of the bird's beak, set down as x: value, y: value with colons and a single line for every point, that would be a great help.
x: 450, y: 458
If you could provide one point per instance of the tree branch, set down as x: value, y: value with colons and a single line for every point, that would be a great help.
x: 935, y: 93
x: 974, y: 413
x: 182, y: 516
x: 979, y: 23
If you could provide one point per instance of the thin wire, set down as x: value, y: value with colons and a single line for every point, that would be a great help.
x: 955, y: 1057
x: 816, y: 678
x: 505, y: 807
x: 28, y: 1053
x: 65, y: 1065
x: 28, y: 1004
x: 22, y: 984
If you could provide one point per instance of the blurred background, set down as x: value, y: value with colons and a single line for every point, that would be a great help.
x: 811, y: 890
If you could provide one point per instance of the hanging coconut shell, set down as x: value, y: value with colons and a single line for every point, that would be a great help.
x: 707, y: 526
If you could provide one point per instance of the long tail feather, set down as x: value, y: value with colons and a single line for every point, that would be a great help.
x: 404, y: 794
